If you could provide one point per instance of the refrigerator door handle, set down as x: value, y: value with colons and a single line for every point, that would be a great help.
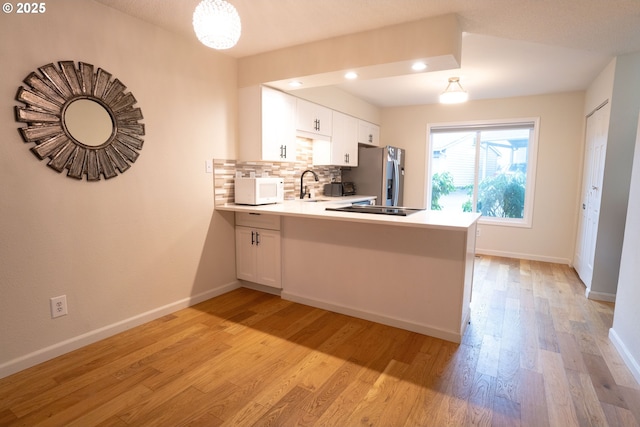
x: 396, y: 181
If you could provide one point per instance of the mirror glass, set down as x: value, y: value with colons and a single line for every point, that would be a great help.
x: 88, y: 122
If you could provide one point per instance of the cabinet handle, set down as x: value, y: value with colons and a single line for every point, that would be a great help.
x: 316, y: 124
x: 371, y: 138
x: 252, y: 240
x: 257, y: 238
x: 285, y: 151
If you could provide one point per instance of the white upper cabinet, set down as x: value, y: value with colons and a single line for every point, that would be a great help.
x: 342, y: 148
x: 313, y: 119
x: 267, y: 125
x: 368, y: 133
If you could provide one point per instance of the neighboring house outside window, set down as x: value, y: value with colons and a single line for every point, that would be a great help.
x: 487, y: 167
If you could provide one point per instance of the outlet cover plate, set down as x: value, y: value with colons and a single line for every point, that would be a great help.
x: 58, y: 306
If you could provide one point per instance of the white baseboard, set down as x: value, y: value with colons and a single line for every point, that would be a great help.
x: 261, y: 288
x: 378, y: 318
x: 626, y: 355
x: 599, y: 296
x: 530, y: 257
x: 47, y: 353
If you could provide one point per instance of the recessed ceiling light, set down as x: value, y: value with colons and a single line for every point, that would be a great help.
x: 295, y: 83
x: 419, y: 66
x: 351, y: 75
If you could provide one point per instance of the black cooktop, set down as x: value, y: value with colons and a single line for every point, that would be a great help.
x: 375, y: 209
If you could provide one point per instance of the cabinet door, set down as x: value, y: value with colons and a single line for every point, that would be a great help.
x: 278, y: 126
x: 246, y: 264
x: 368, y: 133
x: 268, y: 260
x: 344, y: 142
x: 313, y: 119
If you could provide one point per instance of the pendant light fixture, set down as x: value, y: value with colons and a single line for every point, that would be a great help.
x: 217, y: 24
x: 454, y: 93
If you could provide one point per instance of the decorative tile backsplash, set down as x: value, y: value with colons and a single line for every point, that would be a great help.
x: 225, y: 173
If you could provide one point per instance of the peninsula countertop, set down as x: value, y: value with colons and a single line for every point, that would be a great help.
x: 317, y: 210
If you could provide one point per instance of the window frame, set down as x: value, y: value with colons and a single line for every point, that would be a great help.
x: 496, y: 124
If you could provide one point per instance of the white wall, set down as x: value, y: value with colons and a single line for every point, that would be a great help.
x: 552, y: 235
x: 133, y: 247
x: 625, y: 332
x: 625, y: 103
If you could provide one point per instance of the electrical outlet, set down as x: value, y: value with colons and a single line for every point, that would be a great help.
x: 58, y: 306
x: 208, y: 166
x: 477, y: 232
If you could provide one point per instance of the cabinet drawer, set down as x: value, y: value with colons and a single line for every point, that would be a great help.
x: 269, y: 222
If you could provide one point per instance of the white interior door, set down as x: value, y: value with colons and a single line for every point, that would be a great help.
x: 592, y: 177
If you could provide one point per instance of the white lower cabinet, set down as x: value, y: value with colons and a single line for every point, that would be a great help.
x: 258, y: 257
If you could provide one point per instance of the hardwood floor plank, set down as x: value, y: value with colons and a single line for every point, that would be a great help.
x: 536, y: 353
x: 619, y: 417
x: 556, y: 388
x: 284, y: 410
x: 506, y: 412
x: 102, y: 413
x: 379, y: 397
x: 480, y: 403
x: 489, y: 356
x: 328, y: 392
x: 603, y: 382
x: 585, y: 400
x: 340, y: 409
x: 570, y: 352
x: 632, y: 397
x: 508, y: 375
x: 547, y: 339
x: 312, y: 370
x: 452, y: 408
x: 533, y: 402
x: 620, y: 372
x: 68, y: 407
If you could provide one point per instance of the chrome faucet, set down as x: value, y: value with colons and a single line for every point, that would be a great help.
x: 303, y: 191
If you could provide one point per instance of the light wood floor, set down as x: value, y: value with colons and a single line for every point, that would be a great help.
x: 536, y: 354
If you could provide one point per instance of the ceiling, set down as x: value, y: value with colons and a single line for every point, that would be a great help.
x: 510, y: 47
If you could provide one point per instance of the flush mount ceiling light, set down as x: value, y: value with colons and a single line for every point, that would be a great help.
x: 217, y: 24
x: 454, y: 93
x: 351, y: 75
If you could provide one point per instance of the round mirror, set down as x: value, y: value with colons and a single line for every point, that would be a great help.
x: 82, y: 119
x: 88, y: 122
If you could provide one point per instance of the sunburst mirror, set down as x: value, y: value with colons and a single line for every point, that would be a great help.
x: 82, y: 120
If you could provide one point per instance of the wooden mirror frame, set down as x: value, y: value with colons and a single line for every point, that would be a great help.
x: 46, y: 98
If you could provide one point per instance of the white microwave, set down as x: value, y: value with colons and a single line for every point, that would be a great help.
x: 259, y: 191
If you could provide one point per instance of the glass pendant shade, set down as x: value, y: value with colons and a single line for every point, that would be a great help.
x: 217, y: 24
x: 454, y: 93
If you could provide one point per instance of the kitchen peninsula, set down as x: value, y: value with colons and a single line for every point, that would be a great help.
x: 413, y: 272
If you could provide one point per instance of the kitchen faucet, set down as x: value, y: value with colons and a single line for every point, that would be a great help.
x: 303, y: 192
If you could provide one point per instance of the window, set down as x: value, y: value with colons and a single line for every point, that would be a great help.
x: 486, y: 167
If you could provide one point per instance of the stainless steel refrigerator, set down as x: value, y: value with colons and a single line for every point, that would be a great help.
x: 380, y: 173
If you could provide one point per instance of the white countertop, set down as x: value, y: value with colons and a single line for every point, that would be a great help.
x: 316, y: 210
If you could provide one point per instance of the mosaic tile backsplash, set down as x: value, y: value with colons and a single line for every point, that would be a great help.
x: 225, y: 173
